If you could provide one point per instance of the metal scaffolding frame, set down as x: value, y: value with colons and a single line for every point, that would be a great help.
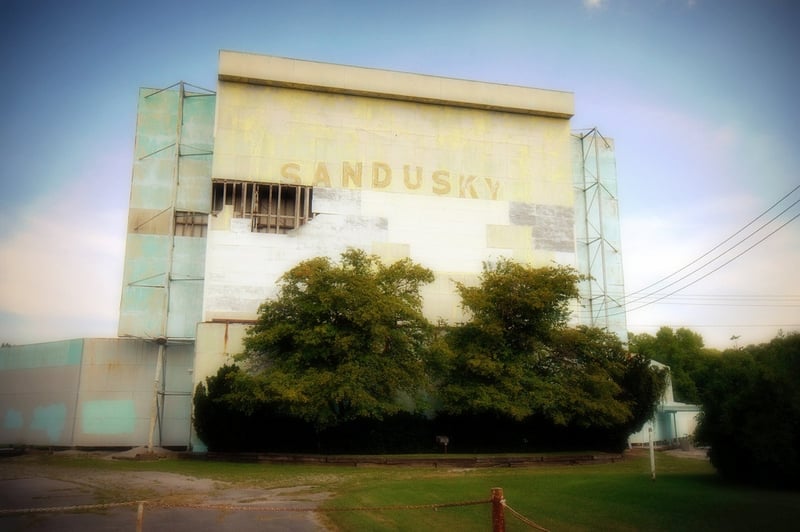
x: 160, y: 393
x: 597, y: 246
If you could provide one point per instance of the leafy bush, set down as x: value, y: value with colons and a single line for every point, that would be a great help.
x: 343, y: 360
x: 751, y: 414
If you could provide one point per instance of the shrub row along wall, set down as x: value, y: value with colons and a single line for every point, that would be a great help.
x: 225, y: 430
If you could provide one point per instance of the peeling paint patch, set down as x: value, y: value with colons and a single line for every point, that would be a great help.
x: 51, y: 419
x: 337, y: 201
x: 108, y: 417
x: 553, y: 225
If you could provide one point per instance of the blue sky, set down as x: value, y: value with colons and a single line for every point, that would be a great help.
x: 699, y: 95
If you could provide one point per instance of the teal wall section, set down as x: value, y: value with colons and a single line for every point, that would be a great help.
x: 94, y: 393
x: 108, y: 417
x: 38, y: 386
x: 52, y: 420
x: 186, y: 289
x: 50, y: 354
x: 12, y: 420
x: 162, y: 287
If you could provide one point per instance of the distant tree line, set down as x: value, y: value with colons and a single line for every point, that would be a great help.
x: 343, y: 360
x: 750, y: 401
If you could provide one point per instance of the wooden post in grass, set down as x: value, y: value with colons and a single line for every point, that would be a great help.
x: 498, y: 510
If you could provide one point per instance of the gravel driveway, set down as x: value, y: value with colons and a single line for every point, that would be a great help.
x: 84, y: 499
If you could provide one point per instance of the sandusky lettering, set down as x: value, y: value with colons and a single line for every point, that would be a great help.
x: 383, y: 176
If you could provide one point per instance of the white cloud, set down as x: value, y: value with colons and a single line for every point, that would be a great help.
x: 62, y: 266
x: 594, y: 4
x: 655, y: 247
x: 686, y: 186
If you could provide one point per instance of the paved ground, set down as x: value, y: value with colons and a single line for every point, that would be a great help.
x: 178, y: 503
x: 694, y: 453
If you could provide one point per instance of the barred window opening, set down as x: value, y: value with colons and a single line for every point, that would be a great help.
x: 191, y: 224
x: 271, y: 207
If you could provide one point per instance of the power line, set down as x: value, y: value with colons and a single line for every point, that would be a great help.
x: 730, y: 305
x: 624, y: 307
x: 793, y: 218
x: 707, y: 263
x: 748, y: 224
x: 720, y: 326
x: 740, y: 296
x: 734, y: 300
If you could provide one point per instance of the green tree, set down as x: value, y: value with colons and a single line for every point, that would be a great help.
x: 344, y: 341
x: 223, y: 406
x: 232, y: 413
x: 683, y: 351
x: 604, y: 393
x: 495, y: 357
x: 751, y: 413
x: 515, y: 358
x: 599, y: 384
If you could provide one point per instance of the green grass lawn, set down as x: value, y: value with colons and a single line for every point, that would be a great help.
x: 687, y: 495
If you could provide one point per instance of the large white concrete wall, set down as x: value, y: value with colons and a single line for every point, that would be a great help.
x: 450, y: 183
x: 451, y: 236
x: 277, y: 134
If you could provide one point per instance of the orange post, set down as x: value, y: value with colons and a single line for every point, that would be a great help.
x: 498, y: 510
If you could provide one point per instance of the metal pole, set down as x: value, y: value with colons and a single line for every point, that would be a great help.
x: 601, y: 224
x: 587, y: 225
x: 652, y: 455
x: 162, y: 340
x: 498, y: 510
x: 675, y: 427
x: 156, y: 389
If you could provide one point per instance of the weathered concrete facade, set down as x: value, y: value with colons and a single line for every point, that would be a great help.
x: 449, y: 173
x: 290, y: 160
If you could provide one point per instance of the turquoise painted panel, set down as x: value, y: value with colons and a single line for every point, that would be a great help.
x: 141, y: 312
x: 147, y: 257
x: 51, y: 419
x: 108, y: 417
x: 185, y: 308
x: 198, y: 122
x: 12, y: 419
x: 157, y: 118
x: 74, y: 352
x: 50, y: 354
x: 189, y: 258
x: 194, y: 184
x: 153, y: 190
x: 152, y: 183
